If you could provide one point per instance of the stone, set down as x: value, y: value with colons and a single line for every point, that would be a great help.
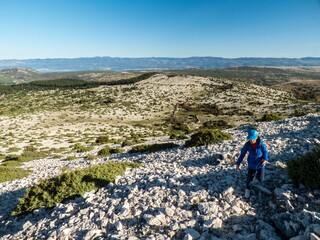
x: 187, y: 237
x: 265, y: 231
x: 65, y: 232
x: 289, y: 206
x: 213, y: 223
x: 169, y: 212
x: 237, y: 228
x: 228, y: 191
x: 208, y: 208
x: 118, y: 225
x: 27, y: 224
x: 316, y: 229
x: 157, y: 220
x: 69, y: 208
x: 193, y: 233
x: 313, y: 236
x: 91, y: 234
x: 263, y: 189
x: 299, y: 238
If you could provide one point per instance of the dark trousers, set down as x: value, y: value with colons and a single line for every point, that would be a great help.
x: 251, y: 174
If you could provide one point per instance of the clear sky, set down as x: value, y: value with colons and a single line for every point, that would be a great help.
x: 159, y: 28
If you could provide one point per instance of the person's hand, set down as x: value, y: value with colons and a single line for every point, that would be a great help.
x: 264, y: 163
x: 237, y: 167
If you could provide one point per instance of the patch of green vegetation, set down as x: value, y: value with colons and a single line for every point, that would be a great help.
x: 306, y: 169
x: 104, y: 152
x: 298, y: 113
x: 116, y: 150
x: 14, y: 149
x: 206, y: 137
x: 217, y: 124
x: 153, y: 147
x: 102, y: 140
x: 11, y: 163
x: 26, y: 156
x: 50, y: 192
x: 80, y: 148
x: 267, y: 117
x: 178, y: 135
x: 71, y: 158
x: 9, y: 173
x: 90, y: 157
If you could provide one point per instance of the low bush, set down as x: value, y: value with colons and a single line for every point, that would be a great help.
x: 177, y: 135
x: 298, y: 113
x: 11, y: 164
x: 50, y: 192
x: 11, y: 172
x: 102, y: 140
x: 267, y: 117
x: 206, y: 137
x: 116, y: 150
x: 90, y: 157
x: 153, y: 147
x: 306, y: 169
x: 216, y: 124
x: 80, y: 148
x: 71, y: 158
x: 26, y: 156
x: 104, y: 152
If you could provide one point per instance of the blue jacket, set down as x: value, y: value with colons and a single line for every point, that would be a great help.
x: 255, y: 157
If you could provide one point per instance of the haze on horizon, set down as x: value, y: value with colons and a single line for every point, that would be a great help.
x: 159, y: 28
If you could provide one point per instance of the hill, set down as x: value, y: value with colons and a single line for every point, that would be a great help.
x: 17, y: 75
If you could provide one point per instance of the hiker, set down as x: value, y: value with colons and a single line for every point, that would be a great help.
x: 257, y: 158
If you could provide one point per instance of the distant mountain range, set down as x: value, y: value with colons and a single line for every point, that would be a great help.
x: 118, y: 64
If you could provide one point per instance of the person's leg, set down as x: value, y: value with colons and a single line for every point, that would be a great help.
x: 250, y: 177
x: 260, y: 174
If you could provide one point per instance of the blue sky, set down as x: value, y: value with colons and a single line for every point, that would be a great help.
x: 159, y: 28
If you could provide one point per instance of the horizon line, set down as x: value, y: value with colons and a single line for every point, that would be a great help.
x: 54, y: 58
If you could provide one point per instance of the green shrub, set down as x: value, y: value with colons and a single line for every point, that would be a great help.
x: 298, y: 113
x: 116, y: 150
x: 30, y: 148
x: 12, y: 157
x: 153, y: 147
x: 206, y: 137
x: 267, y: 117
x: 14, y: 149
x: 50, y: 192
x: 306, y: 169
x: 9, y: 173
x: 71, y: 158
x: 11, y: 164
x: 27, y: 156
x: 127, y: 143
x: 90, y: 157
x: 104, y: 152
x: 216, y: 124
x: 181, y: 126
x: 80, y: 148
x: 102, y: 140
x: 178, y: 135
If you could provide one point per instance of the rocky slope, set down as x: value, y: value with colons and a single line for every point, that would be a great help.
x: 183, y: 193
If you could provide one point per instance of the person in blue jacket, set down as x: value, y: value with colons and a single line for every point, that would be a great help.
x: 257, y: 158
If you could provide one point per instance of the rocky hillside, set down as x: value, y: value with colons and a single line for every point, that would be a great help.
x: 17, y: 75
x: 182, y: 193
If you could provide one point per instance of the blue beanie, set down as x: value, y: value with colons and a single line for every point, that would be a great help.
x: 252, y: 134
